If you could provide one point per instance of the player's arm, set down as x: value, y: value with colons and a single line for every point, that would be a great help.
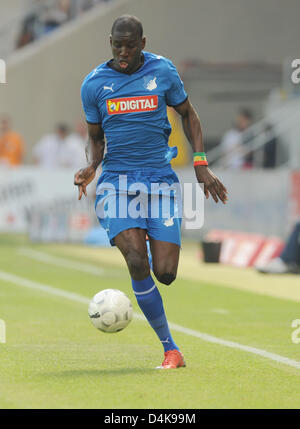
x: 94, y: 152
x: 192, y: 129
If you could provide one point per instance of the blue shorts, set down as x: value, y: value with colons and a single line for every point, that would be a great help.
x: 149, y: 199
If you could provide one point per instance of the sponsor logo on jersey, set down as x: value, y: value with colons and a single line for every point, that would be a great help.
x: 117, y: 106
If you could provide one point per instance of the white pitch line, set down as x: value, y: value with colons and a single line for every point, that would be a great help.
x: 220, y: 311
x: 60, y: 262
x: 41, y: 287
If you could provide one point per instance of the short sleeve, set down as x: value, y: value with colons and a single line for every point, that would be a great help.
x: 176, y: 93
x: 89, y: 104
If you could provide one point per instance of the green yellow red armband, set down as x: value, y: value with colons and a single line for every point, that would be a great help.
x: 200, y: 158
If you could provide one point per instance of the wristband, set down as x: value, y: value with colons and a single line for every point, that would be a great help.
x: 200, y: 159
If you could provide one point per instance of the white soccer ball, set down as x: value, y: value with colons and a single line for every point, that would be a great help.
x: 110, y: 310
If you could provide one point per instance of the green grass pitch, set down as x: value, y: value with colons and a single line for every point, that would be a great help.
x: 54, y: 358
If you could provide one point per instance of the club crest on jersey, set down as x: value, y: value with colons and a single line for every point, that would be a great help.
x: 150, y: 83
x: 117, y: 106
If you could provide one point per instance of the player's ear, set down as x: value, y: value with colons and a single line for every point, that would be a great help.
x: 143, y: 42
x: 110, y: 40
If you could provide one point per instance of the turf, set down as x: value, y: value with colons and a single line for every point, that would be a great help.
x: 54, y: 358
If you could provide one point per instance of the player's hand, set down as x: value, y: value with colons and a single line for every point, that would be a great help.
x: 212, y: 185
x: 82, y: 178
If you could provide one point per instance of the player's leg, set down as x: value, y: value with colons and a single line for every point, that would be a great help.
x: 132, y: 244
x: 165, y: 258
x: 164, y: 229
x: 164, y: 238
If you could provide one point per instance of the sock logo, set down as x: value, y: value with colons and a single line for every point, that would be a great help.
x: 167, y: 341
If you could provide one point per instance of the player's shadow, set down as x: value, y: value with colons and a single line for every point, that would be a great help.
x: 98, y: 372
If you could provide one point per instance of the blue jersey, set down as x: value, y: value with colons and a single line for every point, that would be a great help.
x: 132, y: 110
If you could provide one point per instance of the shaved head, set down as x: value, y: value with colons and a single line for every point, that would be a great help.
x: 127, y: 43
x: 127, y: 24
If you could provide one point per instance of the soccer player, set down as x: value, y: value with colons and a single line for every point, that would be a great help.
x: 125, y: 99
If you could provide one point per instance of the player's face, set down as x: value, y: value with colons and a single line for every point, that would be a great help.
x: 126, y: 48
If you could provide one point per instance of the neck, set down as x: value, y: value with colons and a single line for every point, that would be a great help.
x: 139, y: 64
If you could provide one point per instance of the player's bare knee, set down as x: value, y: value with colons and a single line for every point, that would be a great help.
x: 166, y: 278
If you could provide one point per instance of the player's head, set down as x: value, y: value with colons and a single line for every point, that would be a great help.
x: 127, y: 42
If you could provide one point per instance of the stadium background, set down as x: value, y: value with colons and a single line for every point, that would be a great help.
x: 230, y: 55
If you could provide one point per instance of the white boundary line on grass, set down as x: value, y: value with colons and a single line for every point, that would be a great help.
x: 41, y: 287
x: 60, y: 262
x: 222, y: 311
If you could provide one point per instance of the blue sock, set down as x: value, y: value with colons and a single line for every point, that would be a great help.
x: 150, y: 302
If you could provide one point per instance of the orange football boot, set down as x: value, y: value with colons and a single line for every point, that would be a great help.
x: 173, y: 359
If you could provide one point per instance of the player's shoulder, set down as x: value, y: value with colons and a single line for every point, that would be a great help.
x: 95, y: 76
x: 159, y: 60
